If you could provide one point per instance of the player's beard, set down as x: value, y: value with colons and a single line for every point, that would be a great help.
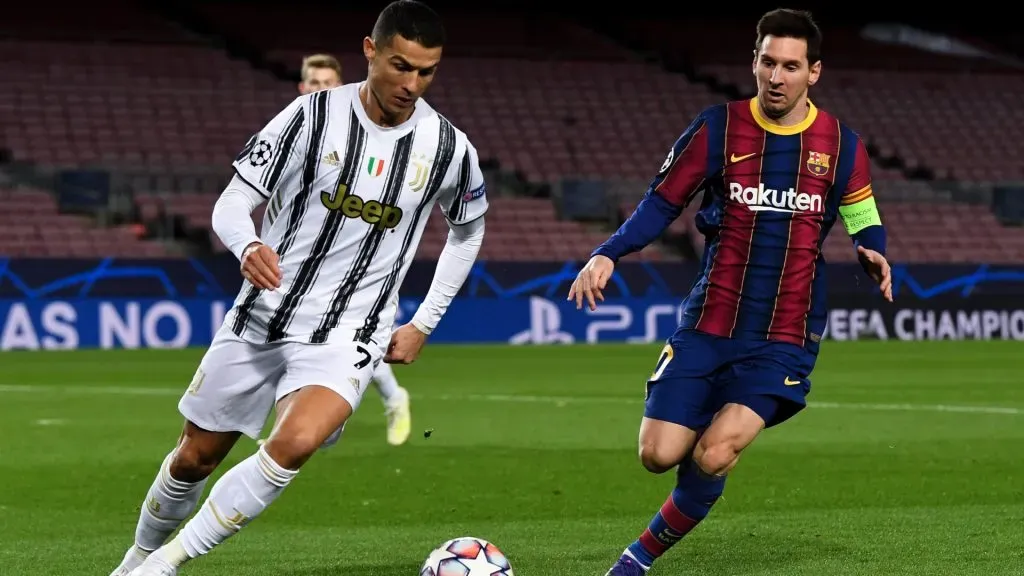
x: 774, y: 110
x: 780, y: 108
x: 389, y: 114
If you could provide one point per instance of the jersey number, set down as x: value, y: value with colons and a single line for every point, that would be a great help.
x: 365, y: 361
x: 666, y: 356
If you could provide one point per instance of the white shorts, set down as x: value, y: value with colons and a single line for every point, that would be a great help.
x: 239, y: 382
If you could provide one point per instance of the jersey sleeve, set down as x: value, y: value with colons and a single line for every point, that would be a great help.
x: 274, y: 154
x: 857, y: 205
x: 685, y: 168
x: 466, y: 199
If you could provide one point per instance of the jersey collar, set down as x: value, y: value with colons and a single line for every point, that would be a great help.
x: 768, y: 126
x: 422, y: 110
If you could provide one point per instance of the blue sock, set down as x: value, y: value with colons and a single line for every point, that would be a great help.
x: 691, y: 500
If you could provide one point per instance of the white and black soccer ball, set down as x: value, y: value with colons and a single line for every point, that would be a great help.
x: 467, y: 556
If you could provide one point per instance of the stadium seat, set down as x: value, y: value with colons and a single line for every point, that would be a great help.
x: 31, y: 225
x: 74, y: 104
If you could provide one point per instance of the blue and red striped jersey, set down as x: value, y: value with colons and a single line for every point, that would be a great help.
x: 770, y: 196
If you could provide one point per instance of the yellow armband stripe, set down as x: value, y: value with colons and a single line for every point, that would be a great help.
x: 854, y: 197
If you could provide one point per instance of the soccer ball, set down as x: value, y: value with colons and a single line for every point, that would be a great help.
x: 466, y: 556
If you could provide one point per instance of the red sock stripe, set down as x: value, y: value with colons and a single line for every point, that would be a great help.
x: 652, y: 544
x: 677, y: 526
x: 675, y: 519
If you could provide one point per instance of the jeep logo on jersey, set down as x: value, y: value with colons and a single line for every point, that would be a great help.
x: 383, y: 216
x: 768, y: 199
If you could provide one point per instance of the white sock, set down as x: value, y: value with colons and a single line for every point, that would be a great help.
x: 385, y: 382
x: 645, y: 567
x: 235, y: 500
x: 167, y: 504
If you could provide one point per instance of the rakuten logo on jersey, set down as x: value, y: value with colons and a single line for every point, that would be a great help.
x: 768, y: 199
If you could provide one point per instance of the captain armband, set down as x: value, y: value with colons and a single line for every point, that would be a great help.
x: 860, y: 215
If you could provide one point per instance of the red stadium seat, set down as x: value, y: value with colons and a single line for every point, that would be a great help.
x: 30, y: 225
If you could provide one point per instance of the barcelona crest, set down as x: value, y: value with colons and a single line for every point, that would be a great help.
x: 817, y: 163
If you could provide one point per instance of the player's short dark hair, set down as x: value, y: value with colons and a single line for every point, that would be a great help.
x: 411, y: 20
x: 788, y: 23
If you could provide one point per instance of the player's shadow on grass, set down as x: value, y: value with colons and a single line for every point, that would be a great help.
x: 400, y: 569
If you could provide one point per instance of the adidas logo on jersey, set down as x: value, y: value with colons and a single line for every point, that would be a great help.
x: 334, y: 159
x: 768, y: 199
x: 383, y: 216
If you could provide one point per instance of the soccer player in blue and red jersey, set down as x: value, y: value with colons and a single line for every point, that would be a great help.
x: 775, y: 172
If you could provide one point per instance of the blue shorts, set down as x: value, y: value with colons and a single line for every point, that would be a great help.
x: 697, y: 374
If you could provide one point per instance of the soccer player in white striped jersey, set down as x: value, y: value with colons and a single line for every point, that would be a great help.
x: 320, y: 72
x: 351, y: 175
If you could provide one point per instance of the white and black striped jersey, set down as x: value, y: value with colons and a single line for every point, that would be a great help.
x: 348, y: 202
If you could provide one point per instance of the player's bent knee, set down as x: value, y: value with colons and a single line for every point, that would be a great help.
x: 291, y: 450
x: 663, y: 445
x: 658, y: 460
x: 661, y: 456
x: 199, y: 452
x: 716, y: 457
x: 193, y: 464
x: 733, y: 429
x: 306, y: 418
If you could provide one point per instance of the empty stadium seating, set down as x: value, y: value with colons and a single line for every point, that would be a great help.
x: 490, y: 33
x: 931, y: 233
x: 30, y: 225
x: 558, y: 101
x: 114, y: 20
x: 157, y: 105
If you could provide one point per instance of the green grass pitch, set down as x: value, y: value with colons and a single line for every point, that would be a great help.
x: 910, y: 461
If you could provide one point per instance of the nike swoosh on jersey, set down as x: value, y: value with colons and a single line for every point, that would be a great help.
x: 734, y: 158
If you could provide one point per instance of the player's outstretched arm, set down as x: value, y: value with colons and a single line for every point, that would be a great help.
x: 863, y: 223
x: 650, y: 219
x: 453, y: 267
x: 680, y: 178
x: 878, y: 268
x: 590, y: 282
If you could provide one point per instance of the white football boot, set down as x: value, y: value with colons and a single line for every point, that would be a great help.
x: 154, y: 566
x: 132, y: 560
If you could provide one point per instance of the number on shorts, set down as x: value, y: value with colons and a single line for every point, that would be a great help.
x: 366, y: 358
x: 663, y: 360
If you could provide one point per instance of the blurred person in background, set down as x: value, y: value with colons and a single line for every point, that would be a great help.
x: 319, y: 72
